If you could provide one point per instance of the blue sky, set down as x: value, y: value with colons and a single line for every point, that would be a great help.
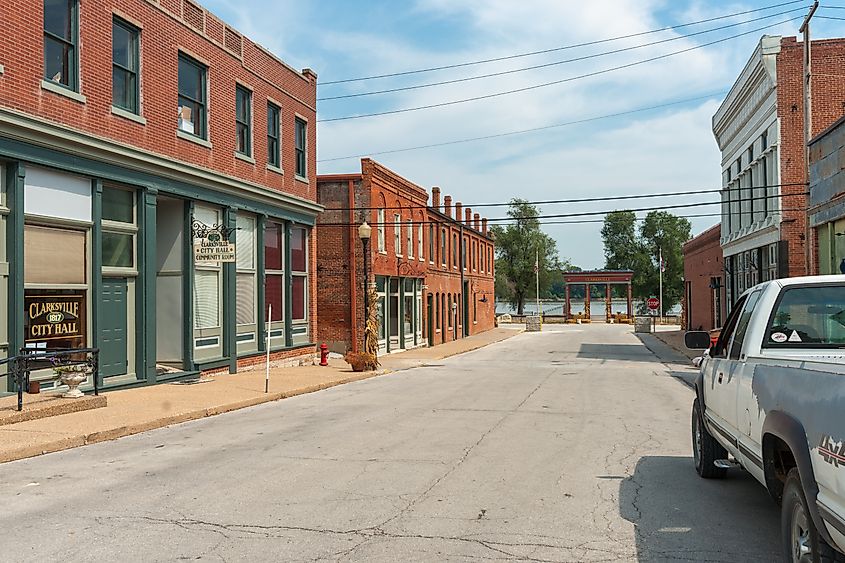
x: 661, y: 150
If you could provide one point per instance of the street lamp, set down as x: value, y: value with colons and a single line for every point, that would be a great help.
x: 364, y: 232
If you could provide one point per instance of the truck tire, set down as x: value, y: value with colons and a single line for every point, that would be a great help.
x: 800, y: 539
x: 705, y: 448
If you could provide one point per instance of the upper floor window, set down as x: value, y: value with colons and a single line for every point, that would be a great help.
x: 431, y: 243
x: 443, y: 243
x: 380, y: 221
x: 420, y: 243
x: 192, y: 96
x: 273, y: 153
x: 410, y: 237
x: 397, y: 234
x: 243, y: 119
x: 60, y: 41
x: 301, y: 140
x: 125, y: 64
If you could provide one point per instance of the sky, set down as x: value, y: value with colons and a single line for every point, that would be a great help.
x: 665, y: 149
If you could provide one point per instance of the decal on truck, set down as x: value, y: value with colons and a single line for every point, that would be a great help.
x: 832, y: 452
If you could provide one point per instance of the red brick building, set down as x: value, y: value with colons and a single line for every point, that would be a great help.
x: 760, y: 131
x: 130, y: 134
x: 424, y: 297
x: 704, y: 281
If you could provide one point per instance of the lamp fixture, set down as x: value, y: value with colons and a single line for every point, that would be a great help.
x: 364, y: 231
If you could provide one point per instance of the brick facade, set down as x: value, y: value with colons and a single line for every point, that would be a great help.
x: 378, y: 195
x: 704, y: 281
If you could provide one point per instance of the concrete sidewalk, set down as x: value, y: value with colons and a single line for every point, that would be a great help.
x: 137, y: 410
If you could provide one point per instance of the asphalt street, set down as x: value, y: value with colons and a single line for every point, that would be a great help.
x: 568, y: 445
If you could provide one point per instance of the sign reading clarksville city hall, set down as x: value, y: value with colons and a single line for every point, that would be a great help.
x: 211, y: 246
x: 58, y: 319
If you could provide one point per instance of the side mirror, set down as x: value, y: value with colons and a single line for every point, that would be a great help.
x: 697, y: 340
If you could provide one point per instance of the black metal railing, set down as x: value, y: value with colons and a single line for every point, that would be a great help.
x: 29, y: 359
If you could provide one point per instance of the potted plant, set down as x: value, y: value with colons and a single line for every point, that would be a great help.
x: 72, y: 375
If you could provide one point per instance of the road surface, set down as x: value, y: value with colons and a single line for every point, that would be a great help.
x: 566, y: 445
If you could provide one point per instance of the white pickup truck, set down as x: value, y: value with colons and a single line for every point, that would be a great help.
x: 770, y: 398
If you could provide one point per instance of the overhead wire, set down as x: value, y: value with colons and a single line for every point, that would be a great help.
x: 557, y: 49
x: 555, y: 82
x: 523, y: 131
x: 555, y: 63
x: 626, y: 197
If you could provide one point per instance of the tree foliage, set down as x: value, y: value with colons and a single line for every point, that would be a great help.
x: 517, y: 246
x: 627, y: 249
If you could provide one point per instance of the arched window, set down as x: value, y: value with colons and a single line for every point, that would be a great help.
x: 380, y: 221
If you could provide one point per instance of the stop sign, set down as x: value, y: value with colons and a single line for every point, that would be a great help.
x: 653, y: 303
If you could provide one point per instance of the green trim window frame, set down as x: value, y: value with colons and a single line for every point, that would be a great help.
x: 243, y: 120
x: 273, y: 135
x: 193, y: 96
x: 274, y: 282
x: 299, y: 273
x: 120, y: 229
x: 301, y: 144
x: 126, y: 58
x: 61, y: 37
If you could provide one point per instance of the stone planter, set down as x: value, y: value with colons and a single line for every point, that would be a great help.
x: 73, y: 379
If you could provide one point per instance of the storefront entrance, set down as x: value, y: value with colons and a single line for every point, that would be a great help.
x: 113, y: 330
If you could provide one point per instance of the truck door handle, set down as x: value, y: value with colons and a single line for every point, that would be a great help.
x: 721, y: 375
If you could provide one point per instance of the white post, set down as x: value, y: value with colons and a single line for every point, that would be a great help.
x: 537, y: 275
x: 267, y: 373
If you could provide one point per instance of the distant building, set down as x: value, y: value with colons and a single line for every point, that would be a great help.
x: 126, y: 130
x: 432, y: 270
x: 704, y: 291
x: 760, y: 130
x: 827, y: 197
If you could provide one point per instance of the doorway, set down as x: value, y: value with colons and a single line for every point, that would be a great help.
x: 170, y: 322
x: 113, y: 330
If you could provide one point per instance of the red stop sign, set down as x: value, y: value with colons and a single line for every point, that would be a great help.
x: 653, y: 303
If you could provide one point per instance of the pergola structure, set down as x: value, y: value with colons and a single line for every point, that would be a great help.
x: 599, y: 277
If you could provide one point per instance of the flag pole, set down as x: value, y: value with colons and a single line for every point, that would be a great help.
x: 661, y: 285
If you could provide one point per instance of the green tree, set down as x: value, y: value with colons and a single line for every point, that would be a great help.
x: 517, y: 246
x: 627, y: 249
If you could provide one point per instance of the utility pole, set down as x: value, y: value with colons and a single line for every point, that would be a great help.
x: 808, y: 132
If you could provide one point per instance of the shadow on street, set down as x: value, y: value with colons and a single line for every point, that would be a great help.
x: 678, y: 515
x: 616, y: 352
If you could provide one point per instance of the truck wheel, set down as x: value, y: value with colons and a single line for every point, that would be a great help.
x: 705, y: 448
x: 799, y: 537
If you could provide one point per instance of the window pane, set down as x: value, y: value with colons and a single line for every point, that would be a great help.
x: 190, y: 117
x: 57, y: 18
x: 245, y: 243
x: 55, y: 256
x: 246, y: 299
x: 118, y: 205
x: 298, y: 239
x: 206, y: 299
x: 123, y: 46
x: 190, y: 80
x: 117, y: 250
x: 122, y: 89
x: 809, y: 317
x: 273, y: 247
x: 57, y: 61
x: 273, y: 297
x: 299, y: 297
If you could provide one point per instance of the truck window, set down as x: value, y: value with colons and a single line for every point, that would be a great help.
x: 721, y: 348
x: 742, y: 324
x: 808, y: 317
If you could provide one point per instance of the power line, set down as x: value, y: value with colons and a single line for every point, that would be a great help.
x: 576, y: 214
x: 586, y: 199
x: 556, y: 63
x: 555, y: 82
x: 556, y: 49
x: 830, y: 18
x: 522, y: 131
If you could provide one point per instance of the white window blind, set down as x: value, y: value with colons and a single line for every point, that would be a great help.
x: 206, y: 299
x: 381, y: 230
x: 245, y: 243
x: 246, y: 299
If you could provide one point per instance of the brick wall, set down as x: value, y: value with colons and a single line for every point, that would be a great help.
x: 828, y: 87
x: 164, y: 33
x: 702, y: 262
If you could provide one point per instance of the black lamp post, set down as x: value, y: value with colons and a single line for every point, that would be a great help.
x: 364, y: 232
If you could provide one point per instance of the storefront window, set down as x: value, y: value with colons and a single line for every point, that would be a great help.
x: 246, y: 276
x: 274, y: 270
x: 299, y: 272
x: 207, y: 280
x: 119, y: 228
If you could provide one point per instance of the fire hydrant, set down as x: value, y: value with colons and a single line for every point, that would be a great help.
x: 324, y: 354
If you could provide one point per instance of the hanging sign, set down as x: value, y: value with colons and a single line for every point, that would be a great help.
x: 211, y: 244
